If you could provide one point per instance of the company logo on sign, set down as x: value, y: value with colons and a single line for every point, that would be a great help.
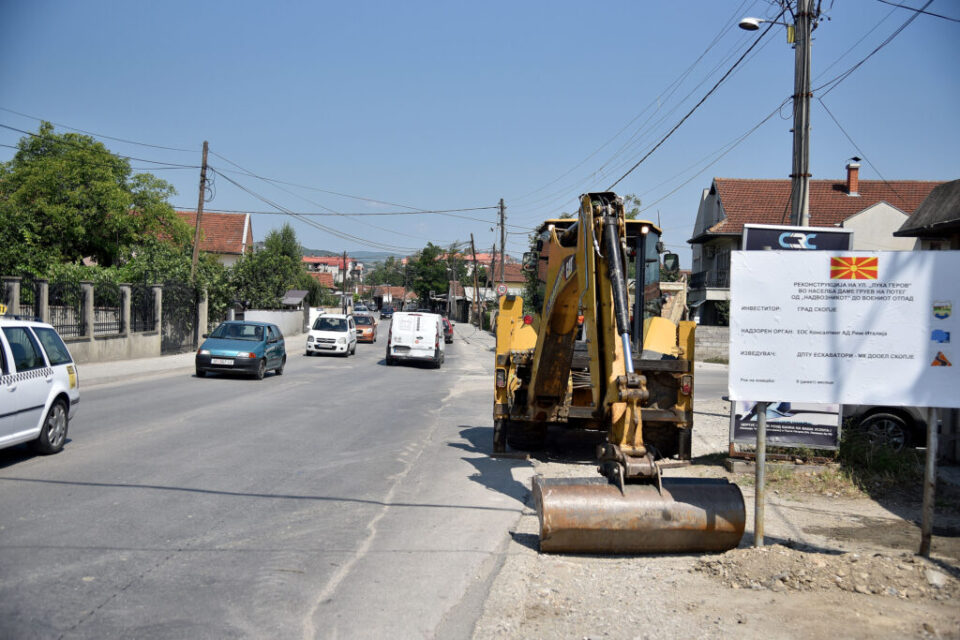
x: 939, y: 335
x: 853, y: 268
x: 941, y: 361
x: 797, y: 240
x: 941, y: 309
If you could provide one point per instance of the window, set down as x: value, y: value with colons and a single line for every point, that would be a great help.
x: 56, y: 351
x: 26, y: 351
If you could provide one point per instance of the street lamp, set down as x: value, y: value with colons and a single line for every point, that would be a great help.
x: 805, y: 17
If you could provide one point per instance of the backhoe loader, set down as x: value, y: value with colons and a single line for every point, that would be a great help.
x: 590, y: 360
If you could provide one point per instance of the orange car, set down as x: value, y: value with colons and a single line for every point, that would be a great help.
x: 366, y: 328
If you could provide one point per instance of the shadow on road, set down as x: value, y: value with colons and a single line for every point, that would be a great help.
x: 493, y: 473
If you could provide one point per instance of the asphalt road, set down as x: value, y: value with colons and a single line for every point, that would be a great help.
x: 343, y: 499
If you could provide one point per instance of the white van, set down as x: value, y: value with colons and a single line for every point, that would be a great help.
x: 415, y: 335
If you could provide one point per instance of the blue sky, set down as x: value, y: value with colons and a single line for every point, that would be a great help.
x: 454, y: 105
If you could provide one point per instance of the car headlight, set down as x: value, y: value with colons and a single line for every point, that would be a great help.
x: 341, y: 341
x: 309, y: 338
x: 203, y: 352
x: 246, y: 354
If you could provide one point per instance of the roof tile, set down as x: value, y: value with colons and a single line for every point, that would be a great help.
x: 747, y: 201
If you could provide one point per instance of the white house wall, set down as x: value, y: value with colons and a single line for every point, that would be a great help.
x: 874, y: 226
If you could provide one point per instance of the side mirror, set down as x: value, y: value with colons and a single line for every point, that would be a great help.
x: 530, y: 261
x: 671, y: 262
x: 205, y: 335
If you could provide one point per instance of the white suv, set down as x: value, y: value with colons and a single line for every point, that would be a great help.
x: 332, y: 333
x: 39, y: 387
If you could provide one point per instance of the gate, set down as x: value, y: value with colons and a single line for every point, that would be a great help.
x: 29, y: 297
x: 65, y: 303
x: 143, y: 310
x: 179, y: 318
x: 107, y: 309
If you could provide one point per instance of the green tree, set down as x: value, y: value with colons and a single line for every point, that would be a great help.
x: 261, y: 279
x: 631, y: 206
x: 65, y: 197
x: 284, y: 242
x: 427, y: 271
x: 389, y: 272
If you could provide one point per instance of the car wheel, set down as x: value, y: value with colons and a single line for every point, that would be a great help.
x: 201, y: 373
x: 887, y: 429
x: 283, y: 363
x: 261, y: 369
x: 354, y: 350
x: 53, y: 433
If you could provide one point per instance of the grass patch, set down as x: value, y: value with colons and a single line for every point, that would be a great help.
x: 865, y: 468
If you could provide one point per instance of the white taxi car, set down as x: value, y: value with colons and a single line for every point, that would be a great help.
x: 39, y: 387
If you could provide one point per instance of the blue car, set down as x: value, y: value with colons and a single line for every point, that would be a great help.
x: 250, y: 348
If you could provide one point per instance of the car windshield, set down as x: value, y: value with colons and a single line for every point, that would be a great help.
x: 251, y: 332
x: 364, y: 320
x: 330, y: 324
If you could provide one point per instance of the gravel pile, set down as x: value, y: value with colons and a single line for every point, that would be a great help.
x: 780, y: 569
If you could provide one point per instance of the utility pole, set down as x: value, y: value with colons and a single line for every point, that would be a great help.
x: 343, y: 296
x: 503, y: 237
x: 476, y: 282
x: 196, y: 232
x: 800, y: 192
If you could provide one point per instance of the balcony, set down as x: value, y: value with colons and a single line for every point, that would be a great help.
x: 719, y: 279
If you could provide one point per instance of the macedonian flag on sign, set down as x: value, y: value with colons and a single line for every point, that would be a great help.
x: 853, y: 268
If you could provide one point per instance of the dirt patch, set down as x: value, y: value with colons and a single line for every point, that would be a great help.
x: 781, y: 569
x: 839, y: 563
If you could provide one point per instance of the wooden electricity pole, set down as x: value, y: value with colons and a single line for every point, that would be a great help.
x: 196, y: 232
x: 503, y: 237
x: 476, y: 281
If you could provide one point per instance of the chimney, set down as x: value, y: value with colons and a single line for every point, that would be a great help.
x: 853, y: 178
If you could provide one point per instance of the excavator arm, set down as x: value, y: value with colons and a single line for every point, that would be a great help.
x: 634, y: 509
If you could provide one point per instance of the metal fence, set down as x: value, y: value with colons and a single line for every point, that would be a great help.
x: 179, y: 318
x: 65, y: 304
x: 29, y: 297
x: 143, y: 308
x: 107, y: 309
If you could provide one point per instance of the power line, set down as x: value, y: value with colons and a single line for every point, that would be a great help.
x: 665, y: 95
x: 336, y: 193
x: 929, y: 13
x: 696, y: 106
x: 99, y: 135
x: 334, y: 232
x: 857, y: 147
x: 836, y: 80
x: 116, y: 155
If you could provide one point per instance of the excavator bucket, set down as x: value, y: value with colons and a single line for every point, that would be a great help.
x: 684, y: 515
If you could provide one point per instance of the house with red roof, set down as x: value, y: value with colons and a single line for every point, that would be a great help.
x: 335, y: 266
x: 872, y: 209
x: 226, y: 235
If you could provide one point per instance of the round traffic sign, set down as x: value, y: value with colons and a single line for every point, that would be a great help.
x: 502, y: 289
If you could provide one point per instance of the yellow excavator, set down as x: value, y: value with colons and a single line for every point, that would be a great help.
x: 590, y: 360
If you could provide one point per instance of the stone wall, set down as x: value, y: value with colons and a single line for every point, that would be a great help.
x: 712, y: 343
